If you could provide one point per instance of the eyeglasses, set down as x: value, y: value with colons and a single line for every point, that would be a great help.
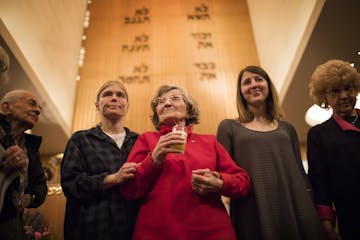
x: 335, y: 92
x: 172, y: 99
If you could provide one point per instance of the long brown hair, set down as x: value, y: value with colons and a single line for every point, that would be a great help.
x: 273, y: 110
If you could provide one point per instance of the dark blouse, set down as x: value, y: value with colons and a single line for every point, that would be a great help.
x: 334, y: 166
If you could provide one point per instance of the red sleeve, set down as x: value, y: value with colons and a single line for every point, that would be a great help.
x: 326, y: 212
x: 236, y: 180
x: 146, y: 172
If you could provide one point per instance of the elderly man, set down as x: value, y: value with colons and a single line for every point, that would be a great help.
x: 23, y: 184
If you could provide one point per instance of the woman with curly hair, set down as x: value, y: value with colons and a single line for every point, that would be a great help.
x: 332, y: 148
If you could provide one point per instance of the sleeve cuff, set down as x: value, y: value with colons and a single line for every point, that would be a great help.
x: 148, y: 168
x: 326, y: 212
x: 227, y: 187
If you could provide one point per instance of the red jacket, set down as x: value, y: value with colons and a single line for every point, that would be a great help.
x: 171, y: 209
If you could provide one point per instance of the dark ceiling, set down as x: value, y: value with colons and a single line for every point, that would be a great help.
x: 336, y: 36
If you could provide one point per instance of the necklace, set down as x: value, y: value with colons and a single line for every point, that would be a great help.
x: 356, y: 118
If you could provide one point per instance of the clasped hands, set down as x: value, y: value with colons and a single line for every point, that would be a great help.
x: 205, y: 181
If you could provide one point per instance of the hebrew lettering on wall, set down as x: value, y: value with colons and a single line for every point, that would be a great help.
x: 197, y: 44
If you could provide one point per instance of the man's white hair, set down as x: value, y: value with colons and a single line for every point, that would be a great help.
x: 11, y: 97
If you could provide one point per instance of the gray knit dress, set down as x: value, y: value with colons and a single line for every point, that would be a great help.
x: 279, y: 206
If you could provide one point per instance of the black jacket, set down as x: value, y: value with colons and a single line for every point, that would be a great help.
x: 36, y: 177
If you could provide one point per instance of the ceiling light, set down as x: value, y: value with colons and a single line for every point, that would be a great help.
x: 82, y: 50
x: 316, y: 115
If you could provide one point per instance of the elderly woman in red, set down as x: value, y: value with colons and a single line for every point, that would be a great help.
x: 181, y: 189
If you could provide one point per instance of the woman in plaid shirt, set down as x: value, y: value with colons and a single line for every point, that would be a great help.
x: 92, y: 169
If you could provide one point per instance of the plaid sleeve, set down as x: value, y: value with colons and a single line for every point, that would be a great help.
x: 75, y: 181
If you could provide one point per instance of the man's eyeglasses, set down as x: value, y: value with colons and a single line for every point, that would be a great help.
x: 172, y: 99
x: 335, y: 92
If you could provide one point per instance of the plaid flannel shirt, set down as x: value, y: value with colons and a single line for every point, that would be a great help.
x: 93, y: 212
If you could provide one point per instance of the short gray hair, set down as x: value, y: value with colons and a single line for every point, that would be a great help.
x: 191, y: 106
x: 12, y: 96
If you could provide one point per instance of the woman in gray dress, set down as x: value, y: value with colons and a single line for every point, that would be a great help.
x: 279, y: 206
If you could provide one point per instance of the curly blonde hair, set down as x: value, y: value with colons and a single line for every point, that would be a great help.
x: 332, y: 74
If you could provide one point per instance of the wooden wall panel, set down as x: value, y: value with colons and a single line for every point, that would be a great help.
x: 52, y: 211
x: 198, y: 45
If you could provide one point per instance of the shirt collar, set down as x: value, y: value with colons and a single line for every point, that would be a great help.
x: 164, y: 129
x: 345, y: 125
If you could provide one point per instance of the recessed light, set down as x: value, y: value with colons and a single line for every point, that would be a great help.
x: 316, y: 115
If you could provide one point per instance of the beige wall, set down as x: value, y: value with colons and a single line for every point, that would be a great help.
x: 175, y: 55
x: 45, y: 37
